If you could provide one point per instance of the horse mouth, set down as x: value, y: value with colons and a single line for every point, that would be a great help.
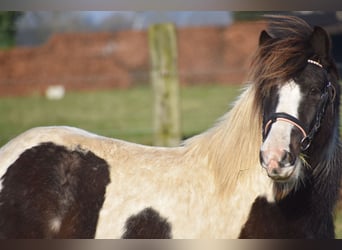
x: 281, y: 174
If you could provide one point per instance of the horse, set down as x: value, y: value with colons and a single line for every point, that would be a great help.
x: 269, y: 168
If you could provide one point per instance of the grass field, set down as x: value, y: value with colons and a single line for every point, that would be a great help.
x: 124, y: 114
x: 338, y: 224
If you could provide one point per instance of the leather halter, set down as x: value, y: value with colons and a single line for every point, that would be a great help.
x: 308, y: 134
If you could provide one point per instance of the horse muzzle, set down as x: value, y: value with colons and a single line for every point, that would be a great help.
x: 279, y: 165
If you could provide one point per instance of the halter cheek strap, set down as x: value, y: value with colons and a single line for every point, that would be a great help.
x: 284, y: 117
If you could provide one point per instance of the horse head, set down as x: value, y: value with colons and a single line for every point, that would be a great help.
x: 298, y: 93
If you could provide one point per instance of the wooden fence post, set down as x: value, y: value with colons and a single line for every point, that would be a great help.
x: 164, y: 76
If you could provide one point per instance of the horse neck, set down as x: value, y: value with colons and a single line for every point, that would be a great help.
x: 325, y: 145
x: 233, y: 144
x: 323, y: 175
x: 325, y: 154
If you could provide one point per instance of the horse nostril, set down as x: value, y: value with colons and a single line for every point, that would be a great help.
x: 282, y: 158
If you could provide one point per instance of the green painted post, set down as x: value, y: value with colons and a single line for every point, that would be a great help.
x: 164, y: 76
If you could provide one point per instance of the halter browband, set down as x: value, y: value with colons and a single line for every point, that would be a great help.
x: 284, y: 117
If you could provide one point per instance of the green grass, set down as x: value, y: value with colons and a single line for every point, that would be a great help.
x: 124, y: 114
x: 338, y: 224
x: 113, y: 113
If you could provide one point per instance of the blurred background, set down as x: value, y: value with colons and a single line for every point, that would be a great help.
x: 100, y: 49
x: 91, y: 69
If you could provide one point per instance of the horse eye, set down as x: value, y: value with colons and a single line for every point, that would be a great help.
x: 315, y: 91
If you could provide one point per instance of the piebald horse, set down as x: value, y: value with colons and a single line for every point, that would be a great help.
x: 270, y: 168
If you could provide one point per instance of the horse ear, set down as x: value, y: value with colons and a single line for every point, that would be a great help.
x: 320, y: 42
x: 264, y: 37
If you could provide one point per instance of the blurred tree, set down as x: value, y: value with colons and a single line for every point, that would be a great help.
x: 248, y: 15
x: 8, y: 28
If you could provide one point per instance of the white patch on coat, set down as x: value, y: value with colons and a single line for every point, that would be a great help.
x: 190, y: 204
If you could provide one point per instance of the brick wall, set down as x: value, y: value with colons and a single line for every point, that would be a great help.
x: 88, y: 61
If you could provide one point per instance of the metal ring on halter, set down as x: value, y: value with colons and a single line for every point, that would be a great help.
x: 305, y: 143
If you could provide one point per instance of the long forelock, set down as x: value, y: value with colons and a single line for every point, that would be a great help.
x: 285, y: 26
x: 279, y: 59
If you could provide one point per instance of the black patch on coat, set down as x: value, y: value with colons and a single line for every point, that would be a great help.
x: 52, y: 192
x: 265, y: 221
x: 148, y: 224
x: 296, y: 216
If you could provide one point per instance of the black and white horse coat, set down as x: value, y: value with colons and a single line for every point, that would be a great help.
x: 63, y: 182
